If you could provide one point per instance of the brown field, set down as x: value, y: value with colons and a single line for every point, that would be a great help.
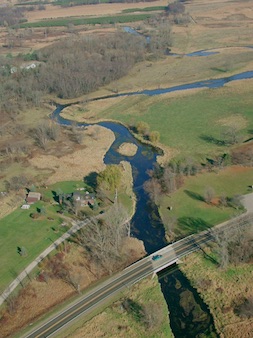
x: 225, y: 290
x: 37, y: 292
x: 79, y: 163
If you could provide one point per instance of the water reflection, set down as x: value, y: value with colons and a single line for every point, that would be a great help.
x: 189, y: 315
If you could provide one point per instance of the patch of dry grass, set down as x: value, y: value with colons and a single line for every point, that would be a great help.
x: 224, y: 290
x: 235, y: 120
x: 79, y: 163
x: 40, y: 293
x: 127, y: 149
x: 115, y: 322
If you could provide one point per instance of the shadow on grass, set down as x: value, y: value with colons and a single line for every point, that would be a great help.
x: 213, y: 140
x: 209, y: 257
x: 194, y: 195
x: 250, y: 131
x: 91, y: 180
x: 221, y: 70
x: 192, y: 224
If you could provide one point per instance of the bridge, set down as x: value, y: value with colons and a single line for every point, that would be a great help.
x: 115, y: 284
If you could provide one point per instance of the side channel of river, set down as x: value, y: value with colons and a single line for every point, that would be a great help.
x: 189, y: 316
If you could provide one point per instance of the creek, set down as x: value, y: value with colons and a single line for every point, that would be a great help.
x: 189, y: 316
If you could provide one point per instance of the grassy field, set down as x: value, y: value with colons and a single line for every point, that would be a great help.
x: 87, y: 21
x: 19, y: 230
x: 114, y: 321
x: 192, y: 212
x: 190, y: 122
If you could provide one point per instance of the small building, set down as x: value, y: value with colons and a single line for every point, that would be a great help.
x: 84, y: 198
x: 25, y: 206
x: 33, y: 197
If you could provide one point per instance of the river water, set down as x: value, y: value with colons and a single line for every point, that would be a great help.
x: 189, y: 316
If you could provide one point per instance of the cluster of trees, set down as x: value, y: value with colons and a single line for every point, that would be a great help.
x: 44, y: 132
x: 95, y: 62
x: 143, y: 129
x: 10, y: 16
x: 102, y: 238
x: 168, y: 178
x: 151, y: 314
x: 235, y: 243
x: 16, y: 183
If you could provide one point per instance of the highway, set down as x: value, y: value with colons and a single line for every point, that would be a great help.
x: 113, y: 285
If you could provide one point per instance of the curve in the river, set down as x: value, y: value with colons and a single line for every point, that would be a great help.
x: 212, y: 83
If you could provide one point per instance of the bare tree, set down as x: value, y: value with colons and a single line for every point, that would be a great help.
x: 103, y: 238
x: 153, y: 315
x: 235, y: 242
x: 209, y: 194
x: 154, y: 189
x: 40, y: 134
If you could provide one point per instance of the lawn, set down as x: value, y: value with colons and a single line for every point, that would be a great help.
x: 192, y: 212
x: 19, y: 230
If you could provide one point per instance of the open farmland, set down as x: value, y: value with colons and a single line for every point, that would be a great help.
x: 53, y: 12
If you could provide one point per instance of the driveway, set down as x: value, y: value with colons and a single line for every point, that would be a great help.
x: 247, y: 202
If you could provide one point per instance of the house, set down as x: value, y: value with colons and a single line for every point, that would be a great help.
x: 84, y: 198
x: 33, y: 197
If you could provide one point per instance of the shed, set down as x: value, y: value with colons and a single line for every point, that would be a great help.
x: 33, y: 197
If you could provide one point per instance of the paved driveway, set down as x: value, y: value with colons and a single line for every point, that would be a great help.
x: 247, y: 201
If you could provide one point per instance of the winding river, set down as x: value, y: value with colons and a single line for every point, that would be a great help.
x: 189, y: 316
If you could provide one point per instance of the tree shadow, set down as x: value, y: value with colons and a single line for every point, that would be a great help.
x: 209, y: 257
x: 192, y: 224
x: 91, y: 180
x: 213, y: 140
x: 250, y: 131
x: 194, y: 195
x: 55, y: 196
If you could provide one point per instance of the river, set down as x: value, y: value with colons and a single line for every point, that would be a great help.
x: 189, y: 316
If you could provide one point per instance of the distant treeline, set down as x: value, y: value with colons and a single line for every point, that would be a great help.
x: 86, y: 64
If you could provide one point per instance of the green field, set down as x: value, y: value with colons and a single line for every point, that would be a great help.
x: 88, y: 21
x: 146, y: 9
x: 192, y: 124
x: 19, y: 230
x: 192, y: 213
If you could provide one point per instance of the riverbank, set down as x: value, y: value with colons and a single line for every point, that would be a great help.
x: 222, y: 291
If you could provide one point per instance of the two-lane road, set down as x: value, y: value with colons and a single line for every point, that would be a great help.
x: 118, y: 282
